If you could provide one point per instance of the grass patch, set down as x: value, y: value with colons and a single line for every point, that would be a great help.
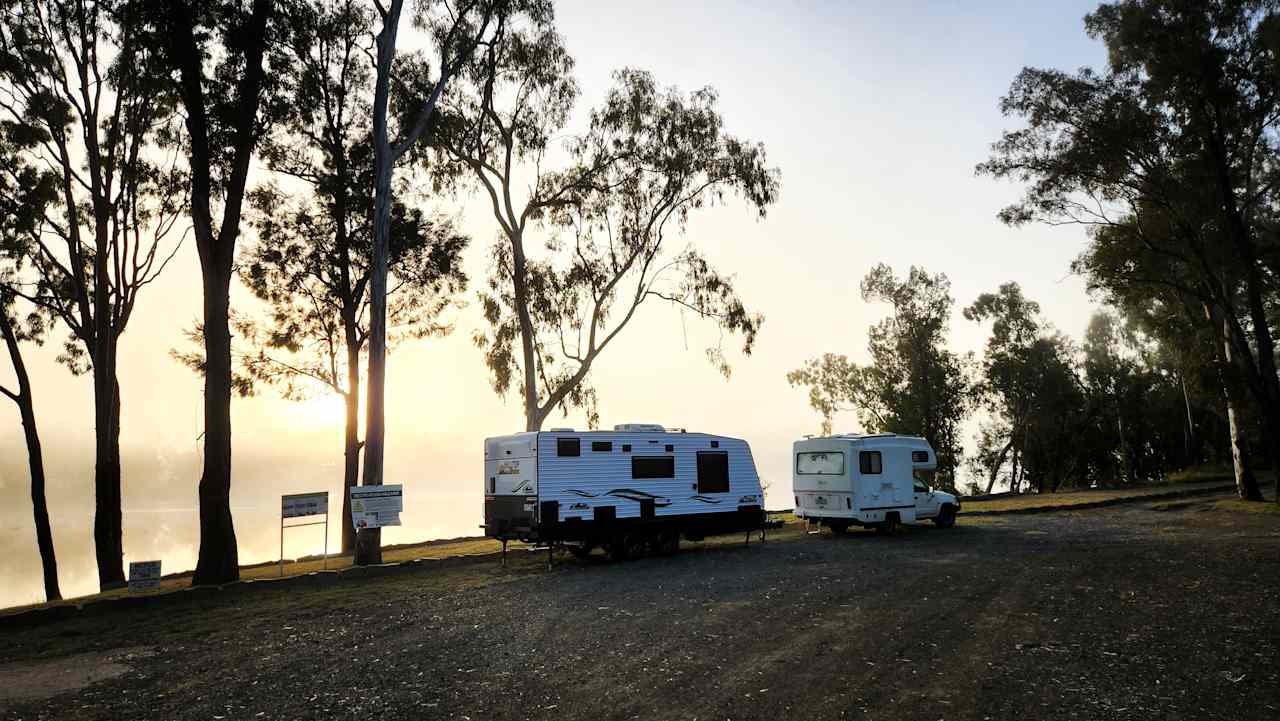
x: 1236, y: 505
x: 1197, y: 474
x: 1076, y: 498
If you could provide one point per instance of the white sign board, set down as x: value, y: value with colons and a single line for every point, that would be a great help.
x: 376, y: 506
x: 144, y: 576
x: 304, y: 504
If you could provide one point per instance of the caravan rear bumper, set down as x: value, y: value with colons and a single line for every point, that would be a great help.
x: 509, y: 516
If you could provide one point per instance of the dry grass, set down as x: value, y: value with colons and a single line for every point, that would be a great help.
x: 391, y: 554
x: 1236, y: 505
x: 1076, y: 498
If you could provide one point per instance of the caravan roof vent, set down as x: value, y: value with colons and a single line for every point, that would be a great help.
x: 639, y: 428
x: 562, y: 430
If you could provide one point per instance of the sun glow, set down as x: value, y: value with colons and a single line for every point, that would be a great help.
x: 320, y: 411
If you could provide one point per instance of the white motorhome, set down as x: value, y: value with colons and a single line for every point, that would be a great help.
x: 874, y: 480
x: 638, y: 486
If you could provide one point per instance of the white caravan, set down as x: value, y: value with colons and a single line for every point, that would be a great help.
x: 878, y: 481
x: 635, y: 487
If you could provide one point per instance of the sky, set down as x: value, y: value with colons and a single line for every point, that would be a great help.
x: 875, y: 113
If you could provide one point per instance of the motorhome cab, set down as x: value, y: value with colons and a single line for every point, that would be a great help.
x: 638, y: 487
x: 878, y: 481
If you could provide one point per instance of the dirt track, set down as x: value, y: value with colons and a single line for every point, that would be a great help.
x: 1105, y: 614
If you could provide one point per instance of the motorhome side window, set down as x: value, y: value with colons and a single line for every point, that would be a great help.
x: 919, y: 456
x: 713, y: 472
x: 824, y: 463
x: 869, y: 462
x: 653, y: 467
x: 568, y: 446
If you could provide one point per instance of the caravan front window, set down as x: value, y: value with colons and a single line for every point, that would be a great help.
x: 821, y: 463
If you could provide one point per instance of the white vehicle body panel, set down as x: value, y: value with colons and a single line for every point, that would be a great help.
x: 532, y: 468
x: 848, y: 489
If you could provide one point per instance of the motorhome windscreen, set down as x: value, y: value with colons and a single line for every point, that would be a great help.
x: 820, y: 463
x: 924, y: 476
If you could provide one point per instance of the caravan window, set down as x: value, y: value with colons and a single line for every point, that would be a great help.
x: 653, y: 467
x: 713, y: 472
x: 919, y: 456
x: 869, y: 462
x: 601, y: 446
x: 824, y: 463
x: 568, y: 447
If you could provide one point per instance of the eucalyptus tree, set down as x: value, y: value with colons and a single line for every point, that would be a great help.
x: 25, y: 196
x: 608, y: 206
x: 218, y: 55
x: 1182, y: 126
x: 914, y: 385
x: 456, y: 31
x: 79, y: 78
x: 1136, y: 398
x: 1128, y: 263
x: 1029, y: 385
x: 310, y: 260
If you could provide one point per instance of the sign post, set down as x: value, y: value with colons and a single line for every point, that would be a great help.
x: 144, y: 576
x: 376, y: 506
x: 302, y: 505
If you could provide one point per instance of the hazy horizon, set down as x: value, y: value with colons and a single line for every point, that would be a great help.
x: 876, y: 115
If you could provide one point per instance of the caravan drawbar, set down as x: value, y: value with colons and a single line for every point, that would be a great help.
x: 637, y: 487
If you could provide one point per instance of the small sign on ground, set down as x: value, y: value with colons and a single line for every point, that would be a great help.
x: 376, y: 506
x: 144, y: 576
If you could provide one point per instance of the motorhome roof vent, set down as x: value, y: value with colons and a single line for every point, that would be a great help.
x: 562, y: 430
x: 639, y: 428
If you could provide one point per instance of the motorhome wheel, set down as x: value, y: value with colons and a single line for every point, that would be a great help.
x: 946, y: 517
x: 889, y: 525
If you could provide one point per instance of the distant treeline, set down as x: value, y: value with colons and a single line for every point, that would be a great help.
x: 1170, y: 159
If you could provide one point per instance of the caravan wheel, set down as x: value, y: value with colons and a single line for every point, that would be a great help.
x: 668, y: 543
x: 624, y: 547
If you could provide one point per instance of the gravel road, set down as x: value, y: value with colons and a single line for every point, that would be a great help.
x: 1128, y: 613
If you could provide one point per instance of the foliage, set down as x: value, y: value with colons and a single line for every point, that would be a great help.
x: 913, y: 385
x: 1170, y: 158
x: 649, y: 157
x: 1030, y: 387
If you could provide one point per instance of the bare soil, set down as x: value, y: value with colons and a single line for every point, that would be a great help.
x: 1137, y: 612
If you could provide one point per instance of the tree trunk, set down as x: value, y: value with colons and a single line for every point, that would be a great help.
x: 108, y: 533
x: 351, y: 435
x: 1191, y: 426
x: 1013, y: 475
x: 369, y: 540
x: 995, y: 468
x: 1246, y: 482
x: 533, y: 415
x: 219, y: 560
x: 35, y: 462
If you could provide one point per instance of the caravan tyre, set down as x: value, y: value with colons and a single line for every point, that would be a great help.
x: 668, y: 543
x: 625, y: 547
